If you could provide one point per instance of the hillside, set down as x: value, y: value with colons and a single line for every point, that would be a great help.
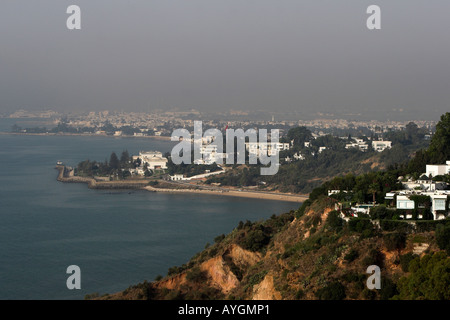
x: 316, y: 252
x: 316, y: 167
x: 308, y: 254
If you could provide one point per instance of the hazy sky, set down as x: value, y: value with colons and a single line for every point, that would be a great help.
x: 274, y: 55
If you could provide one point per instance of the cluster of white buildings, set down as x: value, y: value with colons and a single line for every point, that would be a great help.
x: 437, y: 191
x: 210, y: 154
x: 439, y: 202
x: 378, y: 145
x: 358, y: 143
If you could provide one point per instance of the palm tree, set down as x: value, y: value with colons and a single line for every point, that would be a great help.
x: 373, y: 189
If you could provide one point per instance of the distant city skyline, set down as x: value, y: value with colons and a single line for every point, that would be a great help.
x: 306, y: 58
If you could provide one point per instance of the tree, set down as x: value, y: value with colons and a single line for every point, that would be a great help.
x: 114, y: 162
x: 429, y: 279
x: 373, y: 189
x: 334, y: 221
x: 395, y: 241
x: 299, y: 135
x: 443, y: 237
x: 125, y: 157
x: 439, y: 149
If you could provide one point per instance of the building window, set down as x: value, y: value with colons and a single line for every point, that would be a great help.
x: 439, y: 204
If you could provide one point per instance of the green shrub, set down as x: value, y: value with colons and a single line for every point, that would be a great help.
x: 352, y: 255
x: 333, y: 291
x: 428, y: 279
x: 405, y: 260
x: 369, y: 294
x: 334, y: 221
x: 373, y: 257
x: 219, y: 239
x: 301, y: 211
x: 381, y: 212
x: 443, y: 237
x: 388, y: 289
x: 395, y: 225
x: 256, y: 239
x: 299, y: 294
x: 196, y: 275
x: 424, y: 226
x: 352, y: 276
x: 257, y: 278
x: 360, y: 224
x: 394, y: 241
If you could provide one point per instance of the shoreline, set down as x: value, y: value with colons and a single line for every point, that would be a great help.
x: 165, y: 138
x: 234, y: 193
x: 143, y: 185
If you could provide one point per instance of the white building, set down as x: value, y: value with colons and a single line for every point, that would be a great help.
x: 210, y: 155
x: 153, y: 159
x: 362, y: 146
x: 425, y: 185
x: 403, y: 202
x: 177, y: 177
x: 268, y: 148
x: 439, y: 202
x: 381, y: 145
x: 438, y: 169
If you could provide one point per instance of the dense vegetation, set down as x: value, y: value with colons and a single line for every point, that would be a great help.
x: 302, y: 176
x: 115, y: 166
x: 372, y: 186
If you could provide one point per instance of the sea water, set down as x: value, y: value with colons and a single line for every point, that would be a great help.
x: 117, y: 238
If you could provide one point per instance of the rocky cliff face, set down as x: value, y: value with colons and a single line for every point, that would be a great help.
x: 292, y: 256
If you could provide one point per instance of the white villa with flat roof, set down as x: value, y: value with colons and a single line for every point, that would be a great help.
x: 439, y: 201
x: 268, y: 148
x: 437, y: 169
x: 381, y: 145
x: 153, y: 159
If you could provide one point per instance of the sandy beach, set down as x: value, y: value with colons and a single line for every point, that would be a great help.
x: 236, y: 193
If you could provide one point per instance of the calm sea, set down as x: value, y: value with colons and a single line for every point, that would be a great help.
x: 116, y: 238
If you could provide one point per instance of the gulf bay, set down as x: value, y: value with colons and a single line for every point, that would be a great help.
x: 117, y: 238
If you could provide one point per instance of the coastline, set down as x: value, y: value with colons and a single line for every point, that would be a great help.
x: 143, y: 185
x: 235, y: 193
x: 165, y: 138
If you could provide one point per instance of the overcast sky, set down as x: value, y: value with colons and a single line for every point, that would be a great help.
x: 274, y: 55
